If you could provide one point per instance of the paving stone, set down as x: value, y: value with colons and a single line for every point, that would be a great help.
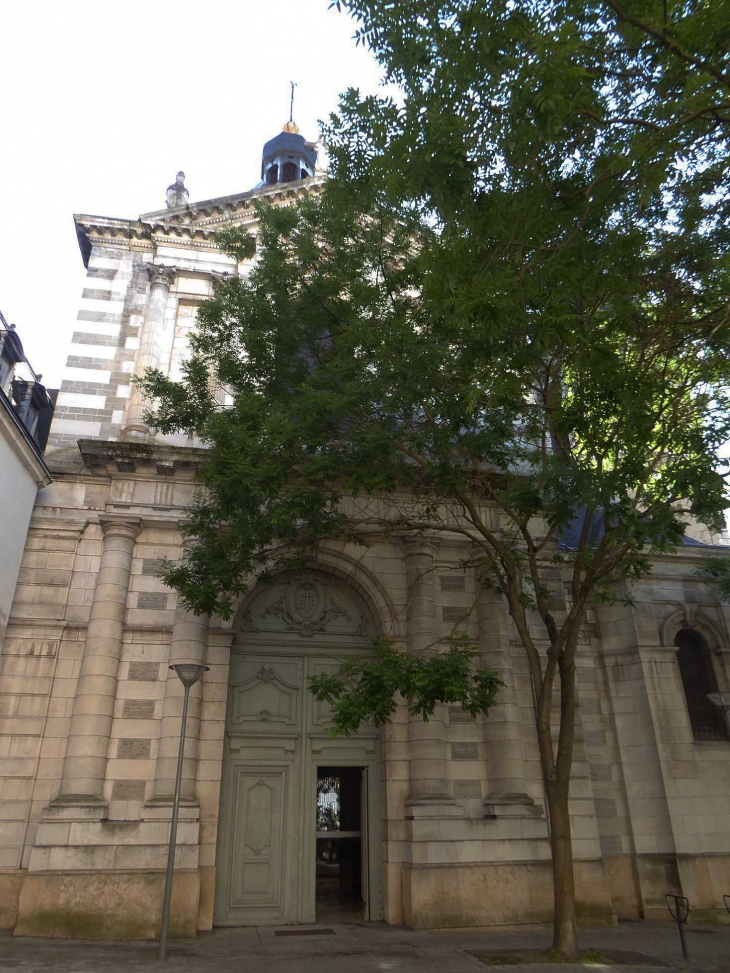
x: 643, y: 947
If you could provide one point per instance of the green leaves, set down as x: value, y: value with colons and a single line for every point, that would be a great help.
x: 367, y: 691
x: 716, y: 572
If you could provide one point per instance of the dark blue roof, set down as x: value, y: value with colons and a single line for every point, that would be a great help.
x: 289, y: 143
x: 569, y: 535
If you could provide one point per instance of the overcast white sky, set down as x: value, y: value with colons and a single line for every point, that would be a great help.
x: 102, y: 101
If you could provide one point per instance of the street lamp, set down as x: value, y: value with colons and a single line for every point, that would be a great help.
x: 188, y: 674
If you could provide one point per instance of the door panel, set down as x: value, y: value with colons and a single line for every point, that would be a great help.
x: 265, y: 695
x: 258, y: 838
x: 255, y: 883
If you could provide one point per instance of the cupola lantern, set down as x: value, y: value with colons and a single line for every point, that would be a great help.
x: 288, y: 157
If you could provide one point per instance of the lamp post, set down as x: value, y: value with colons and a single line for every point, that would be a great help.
x: 188, y: 674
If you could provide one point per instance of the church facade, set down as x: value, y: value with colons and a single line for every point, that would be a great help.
x: 438, y: 824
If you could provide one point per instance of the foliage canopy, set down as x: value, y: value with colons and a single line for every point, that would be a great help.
x: 364, y: 690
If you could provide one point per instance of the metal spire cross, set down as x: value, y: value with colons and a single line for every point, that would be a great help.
x: 293, y: 84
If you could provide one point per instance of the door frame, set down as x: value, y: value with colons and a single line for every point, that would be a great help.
x: 300, y: 748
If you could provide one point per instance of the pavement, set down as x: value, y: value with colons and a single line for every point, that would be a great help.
x: 640, y: 947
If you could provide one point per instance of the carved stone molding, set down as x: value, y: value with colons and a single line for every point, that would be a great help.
x: 306, y: 607
x: 691, y: 616
x: 217, y: 278
x: 265, y: 697
x: 309, y: 606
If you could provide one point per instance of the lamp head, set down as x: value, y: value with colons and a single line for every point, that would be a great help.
x: 188, y: 672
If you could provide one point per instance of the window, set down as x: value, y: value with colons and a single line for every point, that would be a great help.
x: 6, y: 369
x: 290, y: 172
x: 698, y: 679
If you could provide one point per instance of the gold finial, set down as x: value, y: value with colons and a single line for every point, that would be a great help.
x: 291, y: 127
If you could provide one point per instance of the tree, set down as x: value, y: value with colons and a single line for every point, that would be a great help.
x: 505, y: 316
x: 715, y: 571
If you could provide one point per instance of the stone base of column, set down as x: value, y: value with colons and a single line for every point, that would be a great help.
x: 511, y: 806
x: 166, y: 801
x: 446, y: 807
x: 75, y: 809
x: 160, y: 809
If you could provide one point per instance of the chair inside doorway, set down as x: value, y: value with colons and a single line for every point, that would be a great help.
x: 339, y: 843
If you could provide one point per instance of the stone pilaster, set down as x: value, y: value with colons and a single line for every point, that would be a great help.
x: 84, y: 768
x: 189, y: 644
x: 148, y: 356
x: 427, y: 745
x: 505, y: 748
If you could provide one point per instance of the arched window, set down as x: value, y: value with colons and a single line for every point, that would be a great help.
x: 271, y: 174
x: 698, y: 679
x: 290, y: 173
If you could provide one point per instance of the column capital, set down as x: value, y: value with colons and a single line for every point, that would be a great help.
x: 160, y: 274
x: 120, y: 527
x: 418, y: 547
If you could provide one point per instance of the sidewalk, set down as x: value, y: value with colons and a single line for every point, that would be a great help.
x: 368, y: 948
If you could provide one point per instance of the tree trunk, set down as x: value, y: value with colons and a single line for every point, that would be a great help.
x: 556, y: 774
x: 565, y: 934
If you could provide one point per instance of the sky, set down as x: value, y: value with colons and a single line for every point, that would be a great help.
x: 103, y: 101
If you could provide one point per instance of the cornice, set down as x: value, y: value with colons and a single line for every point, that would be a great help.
x: 154, y: 459
x: 41, y: 520
x: 192, y: 224
x: 228, y: 204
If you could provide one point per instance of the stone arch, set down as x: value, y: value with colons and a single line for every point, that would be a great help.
x: 688, y: 618
x: 693, y: 618
x: 351, y: 572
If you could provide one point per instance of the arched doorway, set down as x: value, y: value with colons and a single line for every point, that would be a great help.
x: 300, y: 825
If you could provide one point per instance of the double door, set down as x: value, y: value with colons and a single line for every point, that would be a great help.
x: 300, y: 819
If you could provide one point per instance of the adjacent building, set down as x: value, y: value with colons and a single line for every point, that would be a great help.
x: 431, y: 825
x: 26, y: 409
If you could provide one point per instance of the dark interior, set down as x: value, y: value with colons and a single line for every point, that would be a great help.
x: 339, y: 841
